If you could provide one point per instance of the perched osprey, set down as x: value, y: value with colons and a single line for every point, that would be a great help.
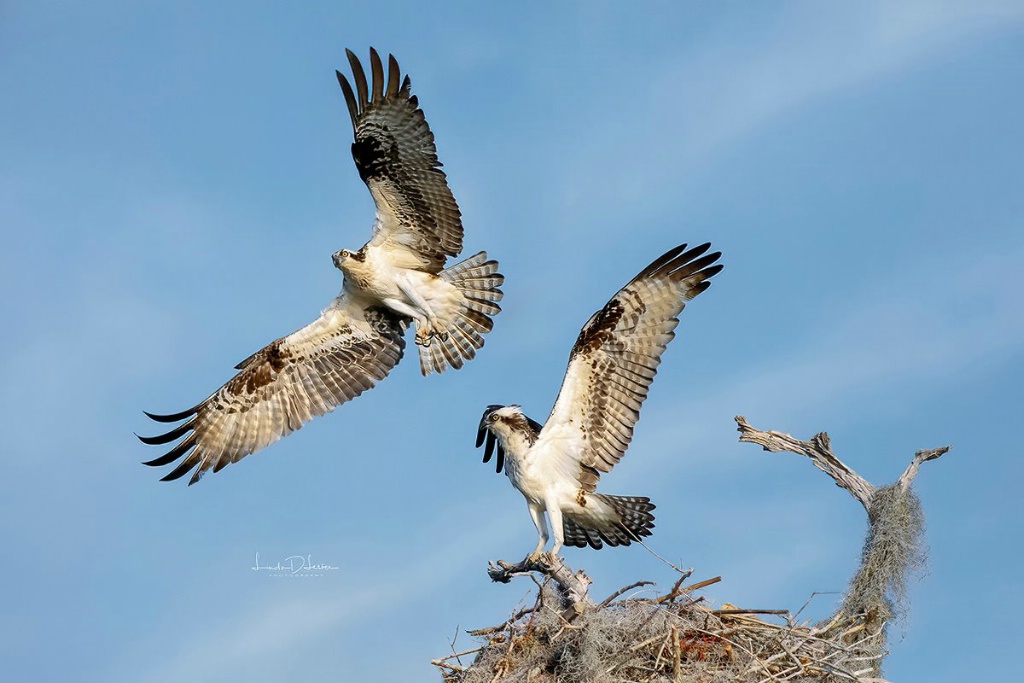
x: 557, y: 466
x: 396, y: 278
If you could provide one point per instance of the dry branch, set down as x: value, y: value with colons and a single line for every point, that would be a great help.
x: 907, y: 478
x: 625, y: 589
x: 572, y: 586
x: 818, y: 449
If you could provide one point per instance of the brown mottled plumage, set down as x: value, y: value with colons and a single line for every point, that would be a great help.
x: 616, y: 357
x: 394, y: 280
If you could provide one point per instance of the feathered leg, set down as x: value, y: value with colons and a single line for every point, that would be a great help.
x: 537, y: 513
x: 555, y: 513
x: 426, y: 319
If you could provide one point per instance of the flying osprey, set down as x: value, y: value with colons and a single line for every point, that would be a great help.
x: 557, y: 466
x: 396, y: 278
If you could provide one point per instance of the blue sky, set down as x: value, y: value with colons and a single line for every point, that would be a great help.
x: 175, y: 178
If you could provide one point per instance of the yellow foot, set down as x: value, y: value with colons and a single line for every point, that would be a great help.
x: 426, y: 334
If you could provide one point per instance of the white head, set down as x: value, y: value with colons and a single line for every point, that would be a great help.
x: 343, y: 260
x: 500, y: 426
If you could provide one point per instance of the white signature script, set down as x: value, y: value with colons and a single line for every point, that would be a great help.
x: 294, y: 565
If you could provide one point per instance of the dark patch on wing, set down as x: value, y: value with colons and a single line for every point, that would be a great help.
x: 374, y: 156
x: 598, y: 329
x: 263, y: 368
x: 387, y: 323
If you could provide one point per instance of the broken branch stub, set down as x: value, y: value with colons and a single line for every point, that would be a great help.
x: 572, y: 586
x: 907, y: 478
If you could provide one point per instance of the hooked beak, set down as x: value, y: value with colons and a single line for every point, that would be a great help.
x: 484, y: 434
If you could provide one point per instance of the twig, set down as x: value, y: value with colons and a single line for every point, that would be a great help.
x: 638, y: 584
x: 702, y: 584
x: 677, y: 591
x: 784, y: 612
x: 677, y: 655
x: 684, y: 572
x: 501, y: 627
x: 674, y: 593
x: 661, y: 650
x: 455, y: 655
x: 796, y: 660
x: 635, y: 648
x: 805, y: 605
x: 455, y: 637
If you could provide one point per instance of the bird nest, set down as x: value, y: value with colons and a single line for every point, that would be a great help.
x: 675, y: 637
x: 679, y: 638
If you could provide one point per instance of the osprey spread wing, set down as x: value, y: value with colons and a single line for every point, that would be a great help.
x: 394, y: 280
x: 557, y: 467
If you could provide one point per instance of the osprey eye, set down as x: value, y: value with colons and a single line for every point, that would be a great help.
x: 345, y: 253
x: 493, y: 417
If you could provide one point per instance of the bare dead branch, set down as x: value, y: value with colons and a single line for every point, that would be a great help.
x: 818, y: 449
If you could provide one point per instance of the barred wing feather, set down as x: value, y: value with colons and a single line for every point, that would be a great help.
x: 418, y: 220
x: 284, y: 385
x: 615, y: 359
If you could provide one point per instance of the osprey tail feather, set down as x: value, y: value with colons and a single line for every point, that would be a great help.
x: 477, y: 279
x: 631, y: 519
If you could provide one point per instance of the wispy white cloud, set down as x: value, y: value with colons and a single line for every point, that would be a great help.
x: 731, y: 91
x: 260, y: 635
x: 703, y: 100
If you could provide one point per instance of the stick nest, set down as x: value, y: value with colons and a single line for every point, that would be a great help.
x: 670, y: 638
